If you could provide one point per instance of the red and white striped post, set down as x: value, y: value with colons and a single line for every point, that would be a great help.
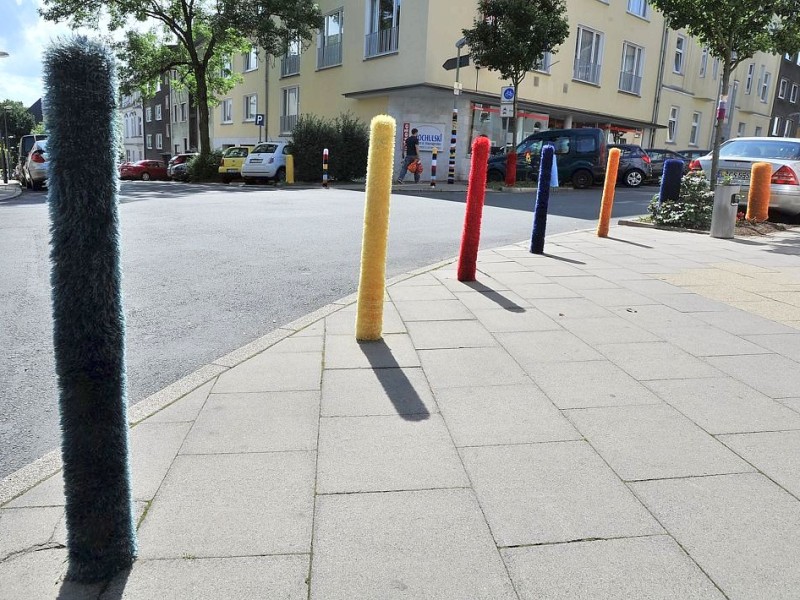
x: 434, y: 154
x: 325, y: 168
x: 451, y: 167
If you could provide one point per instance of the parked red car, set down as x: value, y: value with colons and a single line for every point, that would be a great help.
x: 144, y: 170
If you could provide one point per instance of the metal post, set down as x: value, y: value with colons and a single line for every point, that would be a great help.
x: 325, y: 168
x: 434, y: 155
x: 5, y: 146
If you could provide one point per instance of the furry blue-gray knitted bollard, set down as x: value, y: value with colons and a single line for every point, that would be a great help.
x: 88, y: 322
x: 542, y: 199
x: 671, y: 180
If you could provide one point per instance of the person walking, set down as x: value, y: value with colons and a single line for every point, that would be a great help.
x: 412, y: 155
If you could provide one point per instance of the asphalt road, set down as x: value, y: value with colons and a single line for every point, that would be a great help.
x: 209, y: 268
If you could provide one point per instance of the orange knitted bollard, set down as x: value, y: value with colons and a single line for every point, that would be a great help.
x: 758, y: 197
x: 607, y: 203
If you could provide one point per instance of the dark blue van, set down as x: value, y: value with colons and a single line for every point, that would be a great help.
x: 580, y: 156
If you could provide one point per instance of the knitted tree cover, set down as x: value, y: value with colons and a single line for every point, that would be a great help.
x: 88, y: 321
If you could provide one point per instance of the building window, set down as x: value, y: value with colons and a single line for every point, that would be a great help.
x: 776, y: 126
x: 149, y: 141
x: 759, y: 131
x: 793, y: 94
x: 672, y: 123
x: 680, y: 50
x: 227, y: 110
x: 788, y: 128
x: 783, y: 87
x: 158, y: 85
x: 695, y: 132
x: 630, y: 76
x: 174, y: 113
x: 139, y: 129
x: 740, y: 131
x: 290, y: 109
x: 250, y: 107
x: 588, y: 55
x: 703, y: 62
x: 329, y: 40
x: 149, y: 114
x: 764, y: 92
x: 638, y: 8
x: 251, y: 60
x: 544, y: 63
x: 383, y: 27
x: 715, y: 68
x: 167, y: 130
x: 226, y: 70
x: 748, y: 82
x: 158, y: 112
x: 290, y: 62
x: 159, y: 141
x: 183, y: 112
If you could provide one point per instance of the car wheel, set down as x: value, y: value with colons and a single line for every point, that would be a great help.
x: 280, y: 176
x: 495, y: 176
x: 145, y: 176
x: 36, y: 185
x: 248, y: 180
x: 634, y: 178
x: 226, y: 180
x: 582, y: 179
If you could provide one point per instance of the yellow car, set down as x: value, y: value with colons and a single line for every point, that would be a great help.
x: 230, y: 166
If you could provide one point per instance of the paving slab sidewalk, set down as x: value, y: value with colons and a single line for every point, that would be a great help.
x: 616, y: 419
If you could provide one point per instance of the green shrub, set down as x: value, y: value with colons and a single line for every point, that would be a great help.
x: 204, y: 167
x: 693, y: 208
x: 346, y: 138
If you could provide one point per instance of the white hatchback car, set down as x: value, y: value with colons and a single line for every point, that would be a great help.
x: 266, y: 161
x: 36, y: 167
x: 736, y: 158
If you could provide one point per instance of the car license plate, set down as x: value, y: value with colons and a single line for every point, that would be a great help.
x: 737, y: 177
x: 233, y: 170
x: 255, y: 160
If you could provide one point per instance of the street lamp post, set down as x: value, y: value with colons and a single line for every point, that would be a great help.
x: 451, y: 167
x: 4, y: 54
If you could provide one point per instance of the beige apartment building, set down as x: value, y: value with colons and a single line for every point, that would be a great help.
x: 615, y: 71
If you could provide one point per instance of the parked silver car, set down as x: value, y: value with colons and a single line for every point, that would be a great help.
x: 736, y: 157
x: 36, y: 166
x: 266, y: 161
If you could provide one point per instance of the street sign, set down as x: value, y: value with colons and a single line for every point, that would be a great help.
x: 506, y: 110
x: 452, y: 63
x: 507, y: 95
x: 260, y: 120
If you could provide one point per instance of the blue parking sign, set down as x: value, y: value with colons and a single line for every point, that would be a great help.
x: 260, y: 120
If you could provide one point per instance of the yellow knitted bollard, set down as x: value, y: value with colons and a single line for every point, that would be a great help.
x: 607, y: 203
x: 758, y: 197
x: 372, y: 283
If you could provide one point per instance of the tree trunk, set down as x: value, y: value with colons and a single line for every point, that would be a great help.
x: 726, y: 78
x: 202, y: 109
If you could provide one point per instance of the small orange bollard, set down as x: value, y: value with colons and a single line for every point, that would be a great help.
x: 608, y: 192
x: 758, y: 196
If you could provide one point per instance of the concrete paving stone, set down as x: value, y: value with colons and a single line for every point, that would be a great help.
x: 501, y: 319
x: 266, y: 372
x: 263, y: 422
x: 532, y: 291
x: 522, y: 277
x: 427, y: 335
x: 386, y: 453
x: 742, y: 530
x: 548, y: 267
x: 423, y: 292
x: 770, y: 309
x: 232, y: 505
x: 418, y: 280
x: 393, y: 350
x: 656, y: 360
x: 771, y: 374
x: 745, y: 269
x: 591, y: 383
x: 49, y: 492
x: 184, y: 409
x: 570, y: 308
x: 785, y: 296
x: 508, y: 300
x: 691, y: 303
x: 793, y: 324
x: 426, y: 545
x: 703, y: 277
x: 793, y: 403
x: 658, y: 318
x: 617, y: 274
x: 533, y: 349
x: 653, y: 567
x: 343, y: 322
x: 786, y: 344
x: 653, y: 442
x: 494, y: 269
x: 740, y: 322
x: 368, y: 392
x: 608, y: 330
x: 467, y: 367
x: 705, y: 340
x: 153, y: 448
x: 317, y: 328
x: 774, y: 453
x: 451, y: 282
x: 725, y: 405
x: 725, y: 293
x: 510, y: 414
x: 617, y: 297
x: 24, y: 529
x: 306, y: 343
x: 38, y: 575
x: 240, y: 578
x: 552, y: 492
x: 586, y: 282
x: 433, y: 310
x: 498, y: 256
x: 652, y: 286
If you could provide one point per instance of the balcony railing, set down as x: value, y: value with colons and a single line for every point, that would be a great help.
x: 290, y: 65
x: 382, y: 42
x: 630, y: 82
x: 287, y: 123
x: 587, y: 71
x: 328, y: 56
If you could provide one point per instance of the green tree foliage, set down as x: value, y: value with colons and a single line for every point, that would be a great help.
x: 194, y: 37
x: 18, y: 120
x: 346, y: 138
x: 511, y: 37
x: 733, y: 31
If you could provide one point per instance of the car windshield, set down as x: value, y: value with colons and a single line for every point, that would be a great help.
x: 235, y: 153
x: 780, y: 149
x: 265, y: 149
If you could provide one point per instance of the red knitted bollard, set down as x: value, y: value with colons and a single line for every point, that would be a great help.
x: 476, y: 191
x: 511, y: 168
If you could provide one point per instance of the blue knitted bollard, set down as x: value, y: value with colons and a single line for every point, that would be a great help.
x: 542, y: 199
x: 671, y: 180
x: 88, y: 322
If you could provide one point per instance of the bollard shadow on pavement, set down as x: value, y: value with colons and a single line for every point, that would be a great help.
x: 494, y: 296
x: 105, y: 590
x: 637, y: 244
x: 393, y: 380
x: 564, y: 259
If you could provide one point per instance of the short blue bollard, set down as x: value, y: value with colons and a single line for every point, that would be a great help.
x: 542, y: 199
x: 671, y: 180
